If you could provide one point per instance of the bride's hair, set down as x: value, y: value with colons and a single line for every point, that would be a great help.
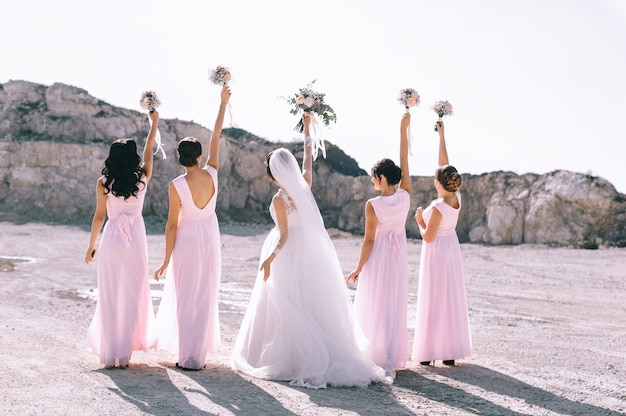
x: 267, y: 165
x: 122, y: 169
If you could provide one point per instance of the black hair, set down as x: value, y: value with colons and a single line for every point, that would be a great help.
x: 449, y: 178
x: 122, y: 169
x: 189, y: 149
x: 388, y: 169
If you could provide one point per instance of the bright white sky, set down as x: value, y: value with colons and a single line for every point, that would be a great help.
x: 536, y: 85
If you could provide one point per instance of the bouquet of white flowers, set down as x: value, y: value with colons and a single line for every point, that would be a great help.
x: 409, y: 98
x: 220, y: 75
x: 442, y: 108
x: 149, y: 101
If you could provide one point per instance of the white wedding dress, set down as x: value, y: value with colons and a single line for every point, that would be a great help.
x: 299, y: 326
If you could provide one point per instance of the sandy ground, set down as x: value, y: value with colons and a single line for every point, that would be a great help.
x: 549, y: 330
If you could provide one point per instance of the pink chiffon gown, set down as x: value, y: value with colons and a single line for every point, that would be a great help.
x: 442, y: 330
x: 124, y: 318
x: 188, y: 316
x: 381, y: 297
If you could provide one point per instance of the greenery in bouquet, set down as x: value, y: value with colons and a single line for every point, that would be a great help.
x: 310, y: 101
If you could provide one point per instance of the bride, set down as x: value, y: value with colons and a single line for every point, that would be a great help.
x: 298, y: 326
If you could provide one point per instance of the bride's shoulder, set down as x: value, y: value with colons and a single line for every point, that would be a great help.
x: 283, y: 198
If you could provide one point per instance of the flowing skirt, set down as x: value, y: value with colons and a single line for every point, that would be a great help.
x: 442, y: 330
x: 188, y: 316
x: 124, y: 318
x: 298, y: 326
x: 381, y: 302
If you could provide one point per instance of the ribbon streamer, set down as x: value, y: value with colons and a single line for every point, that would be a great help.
x: 230, y: 114
x: 158, y: 141
x: 410, y: 136
x: 318, y: 142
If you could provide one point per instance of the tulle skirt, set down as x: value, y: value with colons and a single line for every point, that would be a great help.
x: 298, y: 326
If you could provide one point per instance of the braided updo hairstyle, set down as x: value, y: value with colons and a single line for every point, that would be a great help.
x: 389, y: 170
x: 189, y: 149
x: 449, y: 178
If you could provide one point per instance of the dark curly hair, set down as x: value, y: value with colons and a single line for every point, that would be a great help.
x: 449, y: 178
x: 189, y: 149
x: 122, y: 169
x: 388, y: 169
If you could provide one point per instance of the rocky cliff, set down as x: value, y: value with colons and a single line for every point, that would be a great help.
x: 54, y: 139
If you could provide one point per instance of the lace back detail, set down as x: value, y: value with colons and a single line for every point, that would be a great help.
x: 288, y: 202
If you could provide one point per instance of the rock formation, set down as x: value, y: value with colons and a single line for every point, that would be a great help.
x: 54, y: 140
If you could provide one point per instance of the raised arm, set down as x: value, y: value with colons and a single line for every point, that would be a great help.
x: 307, y: 161
x: 405, y: 182
x: 148, y: 150
x: 214, y: 147
x: 443, y: 152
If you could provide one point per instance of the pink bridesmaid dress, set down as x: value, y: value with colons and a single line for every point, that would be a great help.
x: 382, y: 293
x: 188, y: 316
x: 124, y: 317
x: 442, y: 330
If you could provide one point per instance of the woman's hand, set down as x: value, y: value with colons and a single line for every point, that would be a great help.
x: 89, y: 256
x: 419, y: 218
x: 354, y: 276
x: 154, y: 116
x: 265, y: 266
x: 306, y: 118
x: 439, y: 127
x: 161, y: 270
x: 225, y: 95
x: 406, y: 121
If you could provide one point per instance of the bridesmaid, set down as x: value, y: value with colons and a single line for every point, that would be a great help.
x: 188, y: 314
x: 382, y: 271
x: 124, y: 317
x: 442, y: 331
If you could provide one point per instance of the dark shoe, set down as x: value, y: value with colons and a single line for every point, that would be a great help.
x: 189, y: 369
x: 448, y: 362
x: 425, y: 362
